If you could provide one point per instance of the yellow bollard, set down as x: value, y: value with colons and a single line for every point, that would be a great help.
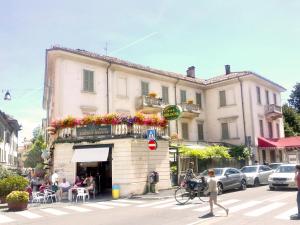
x: 116, y: 191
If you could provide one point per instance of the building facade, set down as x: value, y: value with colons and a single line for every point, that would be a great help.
x: 234, y: 108
x: 9, y: 128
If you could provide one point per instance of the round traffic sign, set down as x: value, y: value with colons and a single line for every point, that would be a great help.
x: 152, y: 145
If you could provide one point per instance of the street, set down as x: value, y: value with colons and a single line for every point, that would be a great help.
x: 253, y: 206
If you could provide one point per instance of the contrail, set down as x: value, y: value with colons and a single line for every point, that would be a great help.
x: 135, y: 42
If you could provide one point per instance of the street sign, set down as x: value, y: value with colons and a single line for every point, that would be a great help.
x: 172, y: 112
x: 152, y: 145
x: 151, y: 134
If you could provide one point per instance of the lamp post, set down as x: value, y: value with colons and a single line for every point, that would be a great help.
x: 7, y: 95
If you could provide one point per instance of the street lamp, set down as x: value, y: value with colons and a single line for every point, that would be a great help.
x: 7, y: 96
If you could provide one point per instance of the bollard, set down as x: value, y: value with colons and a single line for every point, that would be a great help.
x: 116, y: 191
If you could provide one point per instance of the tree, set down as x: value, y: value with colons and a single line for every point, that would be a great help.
x: 294, y: 99
x: 240, y: 152
x: 291, y: 121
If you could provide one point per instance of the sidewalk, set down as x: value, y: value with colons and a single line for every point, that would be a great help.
x: 162, y: 194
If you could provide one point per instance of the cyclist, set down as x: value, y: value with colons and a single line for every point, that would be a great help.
x: 190, y: 177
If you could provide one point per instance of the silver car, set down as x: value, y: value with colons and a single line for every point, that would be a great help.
x: 228, y: 178
x: 284, y: 177
x: 257, y: 174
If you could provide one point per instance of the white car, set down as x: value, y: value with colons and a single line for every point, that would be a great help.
x: 257, y: 174
x: 284, y: 177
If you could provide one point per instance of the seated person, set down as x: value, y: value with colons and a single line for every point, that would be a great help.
x: 45, y: 185
x: 63, y: 187
x: 78, y: 182
x: 90, y: 183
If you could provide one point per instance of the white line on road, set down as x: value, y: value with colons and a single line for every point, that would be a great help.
x: 77, y: 208
x: 187, y: 206
x: 28, y: 214
x: 129, y: 201
x: 243, y: 206
x: 156, y: 203
x: 5, y: 219
x: 265, y: 209
x: 54, y: 212
x: 206, y: 208
x: 165, y: 205
x: 113, y: 204
x: 286, y: 215
x: 95, y: 205
x: 280, y: 197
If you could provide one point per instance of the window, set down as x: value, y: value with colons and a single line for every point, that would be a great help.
x: 232, y: 129
x: 222, y: 96
x: 258, y: 95
x: 263, y: 152
x: 88, y: 81
x: 122, y: 86
x: 182, y: 96
x: 199, y: 100
x: 145, y: 88
x: 225, y: 132
x: 185, y: 131
x: 278, y: 130
x: 165, y: 94
x: 267, y: 98
x: 200, y: 132
x: 270, y: 129
x: 275, y: 99
x: 261, y: 128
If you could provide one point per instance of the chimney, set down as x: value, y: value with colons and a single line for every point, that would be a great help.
x: 227, y: 69
x: 190, y: 72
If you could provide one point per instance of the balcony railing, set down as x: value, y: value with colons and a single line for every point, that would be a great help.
x: 149, y: 104
x: 190, y: 110
x: 273, y: 111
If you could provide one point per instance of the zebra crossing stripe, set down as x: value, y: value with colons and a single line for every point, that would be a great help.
x: 286, y: 215
x: 129, y: 201
x: 206, y: 208
x: 186, y: 206
x: 113, y: 204
x: 265, y: 209
x: 5, y: 219
x: 77, y: 209
x: 243, y: 206
x: 54, y: 212
x: 165, y: 205
x: 28, y: 214
x: 95, y: 205
x: 155, y: 203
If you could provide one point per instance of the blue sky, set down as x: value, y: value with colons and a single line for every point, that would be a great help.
x: 261, y: 36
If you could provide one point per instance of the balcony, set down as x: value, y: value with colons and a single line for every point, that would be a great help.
x: 149, y: 105
x: 273, y: 111
x: 190, y: 110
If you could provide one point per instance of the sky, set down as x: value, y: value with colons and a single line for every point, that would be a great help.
x: 260, y: 36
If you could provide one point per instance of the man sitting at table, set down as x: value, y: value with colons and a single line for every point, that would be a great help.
x: 90, y: 183
x: 63, y: 187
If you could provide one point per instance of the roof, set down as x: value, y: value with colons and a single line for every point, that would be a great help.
x: 205, y: 82
x: 289, y: 142
x: 10, y: 120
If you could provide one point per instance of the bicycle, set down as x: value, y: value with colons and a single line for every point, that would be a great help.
x: 184, y: 193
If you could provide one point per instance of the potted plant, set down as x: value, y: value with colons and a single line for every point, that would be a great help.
x: 17, y: 200
x: 11, y: 183
x: 152, y: 95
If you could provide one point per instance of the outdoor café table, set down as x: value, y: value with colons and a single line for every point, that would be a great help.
x: 71, y: 192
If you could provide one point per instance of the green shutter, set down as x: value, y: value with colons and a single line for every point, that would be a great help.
x: 200, y: 132
x: 165, y: 94
x: 91, y: 82
x: 85, y: 80
x: 225, y: 133
x: 145, y: 88
x: 182, y: 96
x: 185, y: 131
x: 199, y: 100
x: 222, y: 98
x: 258, y: 95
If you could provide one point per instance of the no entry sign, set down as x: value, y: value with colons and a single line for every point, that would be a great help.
x: 152, y: 145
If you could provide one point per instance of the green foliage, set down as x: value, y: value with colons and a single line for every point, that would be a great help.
x: 173, y: 169
x: 209, y: 152
x: 18, y: 196
x: 294, y: 99
x: 240, y: 152
x: 4, y: 173
x: 291, y: 121
x: 12, y: 183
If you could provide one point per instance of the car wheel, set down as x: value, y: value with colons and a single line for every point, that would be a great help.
x: 220, y: 188
x: 243, y: 185
x: 256, y: 182
x: 271, y: 188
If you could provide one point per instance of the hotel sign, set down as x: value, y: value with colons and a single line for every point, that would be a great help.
x: 172, y: 112
x: 93, y: 130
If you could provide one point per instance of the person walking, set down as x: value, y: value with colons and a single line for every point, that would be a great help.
x: 297, y: 180
x: 213, y: 193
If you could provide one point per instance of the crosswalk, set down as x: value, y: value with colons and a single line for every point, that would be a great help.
x: 250, y: 208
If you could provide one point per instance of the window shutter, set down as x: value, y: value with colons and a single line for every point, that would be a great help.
x: 85, y: 80
x: 278, y: 130
x: 225, y: 133
x: 91, y: 81
x: 199, y: 100
x: 270, y: 129
x: 275, y: 99
x: 267, y: 98
x: 145, y: 88
x: 165, y: 94
x: 261, y: 127
x: 185, y: 131
x: 200, y: 132
x: 182, y: 96
x: 222, y: 98
x: 258, y: 95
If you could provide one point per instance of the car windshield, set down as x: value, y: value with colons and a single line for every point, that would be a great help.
x: 249, y: 169
x: 218, y: 172
x: 285, y: 169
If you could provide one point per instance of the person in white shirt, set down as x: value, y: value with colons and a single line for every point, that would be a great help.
x: 54, y: 178
x: 213, y: 193
x: 63, y: 187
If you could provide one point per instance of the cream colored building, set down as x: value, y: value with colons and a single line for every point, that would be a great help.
x: 233, y: 108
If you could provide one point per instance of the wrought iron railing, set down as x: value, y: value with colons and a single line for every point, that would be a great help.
x: 190, y: 107
x: 152, y: 101
x: 273, y: 109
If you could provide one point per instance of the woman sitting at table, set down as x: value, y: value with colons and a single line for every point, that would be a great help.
x: 78, y: 182
x: 90, y: 183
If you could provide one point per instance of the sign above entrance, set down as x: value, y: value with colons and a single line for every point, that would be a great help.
x: 93, y: 130
x: 172, y: 112
x: 152, y: 145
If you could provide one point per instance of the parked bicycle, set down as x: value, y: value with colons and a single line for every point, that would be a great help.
x: 184, y: 192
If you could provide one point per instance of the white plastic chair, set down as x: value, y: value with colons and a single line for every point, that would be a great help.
x: 49, y: 194
x: 38, y: 197
x: 82, y: 193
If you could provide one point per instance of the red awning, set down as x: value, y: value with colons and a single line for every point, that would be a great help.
x: 289, y: 142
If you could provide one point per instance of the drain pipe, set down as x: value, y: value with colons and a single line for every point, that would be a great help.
x: 243, y: 109
x: 107, y: 86
x: 176, y: 103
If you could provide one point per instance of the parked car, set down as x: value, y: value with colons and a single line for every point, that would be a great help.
x: 283, y: 177
x: 274, y: 166
x: 257, y: 174
x: 228, y: 178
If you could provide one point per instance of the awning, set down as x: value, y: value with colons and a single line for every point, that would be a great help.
x: 90, y: 154
x: 289, y: 142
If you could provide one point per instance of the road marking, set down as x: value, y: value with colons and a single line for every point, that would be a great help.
x: 165, y: 205
x: 77, y: 209
x: 265, y: 209
x: 54, y: 212
x: 5, y: 219
x: 286, y: 215
x: 206, y: 208
x: 95, y: 205
x: 280, y: 197
x: 243, y: 206
x: 129, y: 201
x: 156, y: 203
x: 113, y: 204
x: 187, y: 206
x: 28, y: 214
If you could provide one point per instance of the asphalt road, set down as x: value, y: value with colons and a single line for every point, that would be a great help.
x: 257, y: 206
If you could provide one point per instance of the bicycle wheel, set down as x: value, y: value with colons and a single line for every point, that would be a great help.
x: 182, y: 196
x: 202, y: 196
